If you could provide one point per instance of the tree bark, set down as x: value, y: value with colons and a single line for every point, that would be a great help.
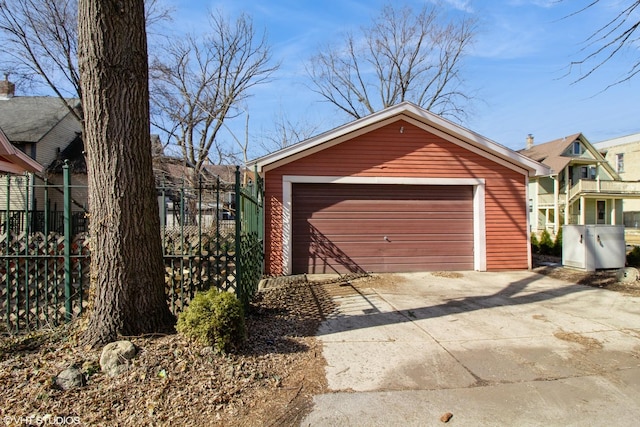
x: 127, y: 272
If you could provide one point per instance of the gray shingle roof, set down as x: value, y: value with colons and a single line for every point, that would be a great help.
x: 28, y: 118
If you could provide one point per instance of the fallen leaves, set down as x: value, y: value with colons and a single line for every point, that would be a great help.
x: 174, y: 381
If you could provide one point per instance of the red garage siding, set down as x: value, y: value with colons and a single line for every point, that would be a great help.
x: 412, y: 153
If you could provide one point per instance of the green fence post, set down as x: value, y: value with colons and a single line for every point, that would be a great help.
x: 7, y: 263
x: 67, y: 242
x: 218, y: 256
x: 238, y: 217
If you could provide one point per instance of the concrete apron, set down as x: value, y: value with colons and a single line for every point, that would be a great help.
x: 513, y: 348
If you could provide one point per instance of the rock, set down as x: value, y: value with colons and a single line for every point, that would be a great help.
x: 115, y: 357
x: 446, y: 417
x: 627, y: 275
x: 206, y: 351
x: 70, y: 378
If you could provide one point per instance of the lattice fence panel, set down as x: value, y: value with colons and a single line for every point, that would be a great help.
x: 32, y: 280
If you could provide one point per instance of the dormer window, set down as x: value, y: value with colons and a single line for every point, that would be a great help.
x: 576, y: 148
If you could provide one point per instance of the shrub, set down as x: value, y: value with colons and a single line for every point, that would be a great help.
x: 535, y: 244
x: 633, y: 257
x: 546, y: 244
x: 214, y: 318
x: 557, y: 243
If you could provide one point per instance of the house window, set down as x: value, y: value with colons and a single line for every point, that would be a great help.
x: 576, y: 148
x: 620, y: 162
x: 601, y: 208
x: 584, y: 172
x: 587, y: 172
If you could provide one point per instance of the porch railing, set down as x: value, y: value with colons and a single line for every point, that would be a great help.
x: 623, y: 188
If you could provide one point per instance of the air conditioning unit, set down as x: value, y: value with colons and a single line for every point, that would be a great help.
x: 593, y: 247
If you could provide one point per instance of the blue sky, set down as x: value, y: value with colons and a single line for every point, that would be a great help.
x: 515, y: 68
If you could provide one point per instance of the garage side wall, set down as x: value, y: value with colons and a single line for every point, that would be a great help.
x: 412, y: 153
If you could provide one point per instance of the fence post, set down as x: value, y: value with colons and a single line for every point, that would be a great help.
x: 68, y: 308
x: 7, y: 264
x: 238, y: 217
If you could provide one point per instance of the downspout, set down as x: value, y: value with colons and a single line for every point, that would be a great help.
x: 567, y: 188
x: 526, y: 186
x: 556, y: 204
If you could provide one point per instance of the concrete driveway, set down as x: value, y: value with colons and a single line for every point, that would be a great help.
x: 503, y: 349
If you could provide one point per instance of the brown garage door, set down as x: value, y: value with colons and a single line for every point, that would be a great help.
x: 381, y: 228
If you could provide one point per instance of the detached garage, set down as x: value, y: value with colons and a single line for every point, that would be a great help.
x: 401, y: 190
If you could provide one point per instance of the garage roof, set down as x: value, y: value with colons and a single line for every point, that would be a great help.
x: 415, y: 115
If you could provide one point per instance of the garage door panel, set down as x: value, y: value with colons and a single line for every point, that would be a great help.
x: 381, y: 265
x: 439, y: 249
x: 382, y: 207
x: 343, y: 228
x: 380, y: 229
x: 419, y: 239
x: 459, y: 213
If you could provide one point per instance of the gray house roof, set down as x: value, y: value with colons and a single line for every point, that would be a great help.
x: 27, y: 119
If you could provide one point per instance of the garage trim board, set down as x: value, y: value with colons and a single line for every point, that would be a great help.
x: 478, y: 185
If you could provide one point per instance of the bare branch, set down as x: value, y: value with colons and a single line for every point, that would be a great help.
x: 402, y: 56
x: 41, y: 40
x: 201, y: 82
x: 609, y: 41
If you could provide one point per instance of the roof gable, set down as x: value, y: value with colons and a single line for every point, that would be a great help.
x: 27, y: 119
x: 412, y: 114
x: 13, y: 160
x: 557, y: 154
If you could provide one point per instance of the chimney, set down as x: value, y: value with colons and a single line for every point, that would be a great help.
x: 7, y: 89
x: 529, y: 142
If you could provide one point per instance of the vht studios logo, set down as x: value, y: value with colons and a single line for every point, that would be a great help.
x: 40, y: 420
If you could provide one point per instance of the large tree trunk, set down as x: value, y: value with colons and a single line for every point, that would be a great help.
x: 127, y: 273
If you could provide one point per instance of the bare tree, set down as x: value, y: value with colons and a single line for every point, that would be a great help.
x: 41, y: 42
x: 200, y: 83
x: 127, y: 273
x: 402, y: 56
x: 610, y: 41
x: 286, y: 132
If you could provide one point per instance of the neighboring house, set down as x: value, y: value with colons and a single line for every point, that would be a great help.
x: 623, y: 154
x: 14, y: 161
x: 177, y: 198
x: 582, y: 187
x: 400, y: 190
x: 44, y: 129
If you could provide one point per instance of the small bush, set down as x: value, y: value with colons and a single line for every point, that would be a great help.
x: 214, y: 318
x: 546, y: 244
x: 535, y: 244
x: 557, y: 244
x: 633, y: 257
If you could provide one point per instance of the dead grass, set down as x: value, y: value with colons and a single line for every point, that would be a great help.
x: 173, y: 381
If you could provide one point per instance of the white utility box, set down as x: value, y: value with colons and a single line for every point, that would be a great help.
x: 593, y: 247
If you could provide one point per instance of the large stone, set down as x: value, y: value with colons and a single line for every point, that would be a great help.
x: 116, y: 356
x: 627, y: 275
x: 70, y: 378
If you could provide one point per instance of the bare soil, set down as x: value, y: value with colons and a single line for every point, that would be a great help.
x: 603, y: 279
x: 270, y: 382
